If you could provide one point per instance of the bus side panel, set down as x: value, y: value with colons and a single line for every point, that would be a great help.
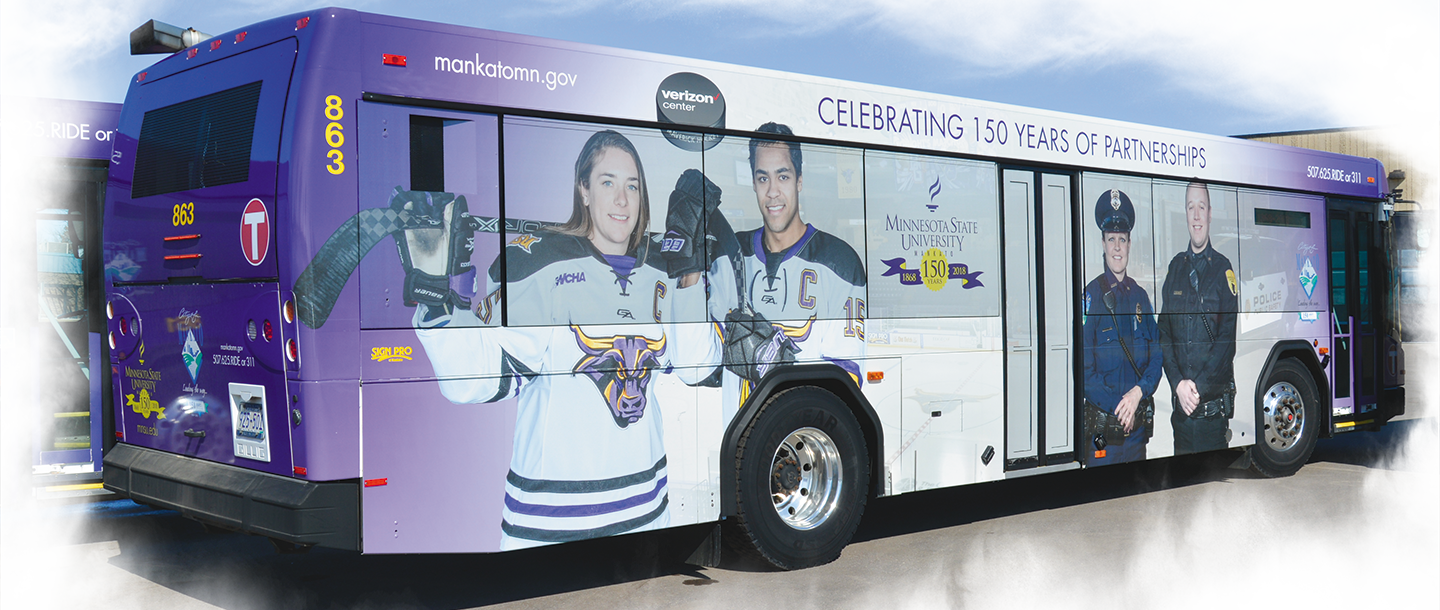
x: 189, y: 359
x: 435, y: 471
x: 1283, y: 282
x: 319, y: 181
x: 326, y: 423
x: 443, y: 468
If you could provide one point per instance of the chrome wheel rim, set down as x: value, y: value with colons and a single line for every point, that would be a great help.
x: 1284, y: 417
x: 805, y: 478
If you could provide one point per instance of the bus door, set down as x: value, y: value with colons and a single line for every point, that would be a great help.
x: 1356, y: 282
x: 56, y: 318
x: 1039, y: 319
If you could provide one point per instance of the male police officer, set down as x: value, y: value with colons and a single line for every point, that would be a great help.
x: 1122, y: 357
x: 1197, y: 334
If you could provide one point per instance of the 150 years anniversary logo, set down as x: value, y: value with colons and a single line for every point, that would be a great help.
x: 933, y: 240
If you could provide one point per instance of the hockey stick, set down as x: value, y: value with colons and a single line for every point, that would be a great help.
x: 319, y: 285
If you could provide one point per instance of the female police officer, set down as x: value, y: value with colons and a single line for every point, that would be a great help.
x: 1122, y: 353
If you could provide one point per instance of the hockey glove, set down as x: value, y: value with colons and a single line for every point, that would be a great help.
x: 753, y: 345
x: 435, y: 246
x: 694, y: 201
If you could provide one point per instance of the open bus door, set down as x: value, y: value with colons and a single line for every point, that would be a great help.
x: 54, y: 369
x: 1357, y: 291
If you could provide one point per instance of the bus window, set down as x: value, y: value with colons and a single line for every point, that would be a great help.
x: 427, y: 163
x: 588, y: 205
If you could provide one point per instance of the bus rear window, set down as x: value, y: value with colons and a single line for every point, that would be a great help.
x: 197, y: 143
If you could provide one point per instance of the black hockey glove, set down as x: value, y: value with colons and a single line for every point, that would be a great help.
x: 693, y: 203
x: 753, y: 345
x: 435, y: 244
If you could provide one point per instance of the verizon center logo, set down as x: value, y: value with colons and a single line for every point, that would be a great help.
x: 255, y: 232
x: 687, y: 98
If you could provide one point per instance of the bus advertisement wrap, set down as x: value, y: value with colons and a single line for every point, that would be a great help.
x: 512, y: 292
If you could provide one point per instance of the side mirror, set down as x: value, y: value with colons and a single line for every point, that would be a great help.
x: 1424, y: 239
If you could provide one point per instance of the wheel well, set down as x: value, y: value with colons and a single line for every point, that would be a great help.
x: 1304, y: 353
x: 825, y: 376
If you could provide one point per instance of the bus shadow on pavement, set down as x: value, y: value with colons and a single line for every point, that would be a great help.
x: 950, y: 507
x: 233, y: 570
x: 1404, y: 445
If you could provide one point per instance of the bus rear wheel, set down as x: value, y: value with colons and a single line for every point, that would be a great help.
x: 801, y: 471
x: 1287, y: 423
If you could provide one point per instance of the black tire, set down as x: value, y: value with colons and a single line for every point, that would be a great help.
x: 1287, y: 420
x: 784, y: 459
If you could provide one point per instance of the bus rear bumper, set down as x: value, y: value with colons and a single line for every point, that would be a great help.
x: 298, y: 512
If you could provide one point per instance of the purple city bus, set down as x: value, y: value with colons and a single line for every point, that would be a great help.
x: 394, y: 286
x: 54, y: 374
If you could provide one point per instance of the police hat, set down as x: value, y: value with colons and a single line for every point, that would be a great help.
x: 1114, y: 213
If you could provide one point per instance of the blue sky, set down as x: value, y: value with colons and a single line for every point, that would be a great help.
x: 1223, y: 66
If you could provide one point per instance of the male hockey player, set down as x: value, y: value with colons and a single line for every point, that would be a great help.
x: 801, y: 291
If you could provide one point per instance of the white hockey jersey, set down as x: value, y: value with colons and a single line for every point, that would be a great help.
x: 586, y: 336
x: 814, y: 294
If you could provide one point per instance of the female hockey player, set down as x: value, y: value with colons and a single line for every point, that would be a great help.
x: 590, y: 323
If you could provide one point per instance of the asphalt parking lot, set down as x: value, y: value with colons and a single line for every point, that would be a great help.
x: 1358, y: 526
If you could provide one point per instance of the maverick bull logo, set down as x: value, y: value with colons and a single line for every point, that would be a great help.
x: 620, y: 366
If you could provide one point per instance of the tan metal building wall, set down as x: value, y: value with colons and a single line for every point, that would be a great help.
x: 1413, y: 147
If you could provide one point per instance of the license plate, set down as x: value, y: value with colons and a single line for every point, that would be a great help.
x: 252, y: 422
x: 248, y: 421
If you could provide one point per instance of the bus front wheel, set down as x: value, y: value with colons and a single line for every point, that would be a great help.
x: 1287, y: 423
x: 802, y: 474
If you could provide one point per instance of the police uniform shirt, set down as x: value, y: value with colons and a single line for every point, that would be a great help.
x: 1197, y: 321
x: 589, y: 451
x: 815, y: 291
x: 1109, y: 373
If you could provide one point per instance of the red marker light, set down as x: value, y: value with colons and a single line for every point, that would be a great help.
x: 376, y: 482
x: 119, y: 435
x: 292, y: 351
x: 393, y: 60
x: 215, y: 44
x: 141, y: 77
x: 192, y: 53
x: 179, y: 257
x: 300, y: 470
x: 182, y: 237
x: 124, y: 326
x: 239, y: 38
x: 269, y: 331
x: 301, y: 23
